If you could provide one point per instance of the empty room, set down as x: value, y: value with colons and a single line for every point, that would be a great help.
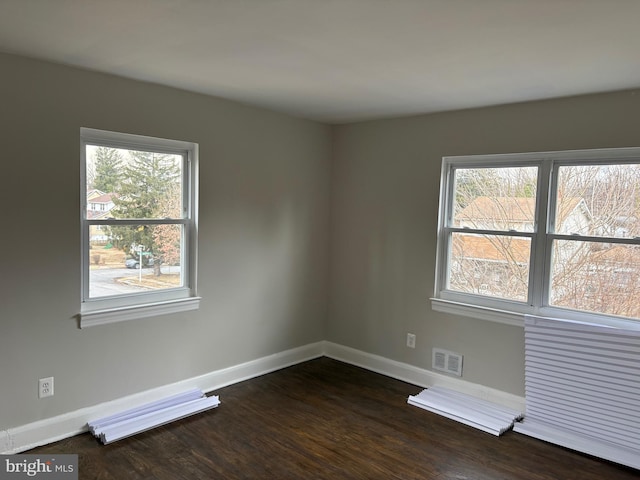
x: 341, y: 239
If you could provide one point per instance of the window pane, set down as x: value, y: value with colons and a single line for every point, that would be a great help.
x: 492, y: 265
x: 495, y: 198
x: 596, y: 277
x: 599, y: 200
x: 133, y: 184
x: 134, y: 259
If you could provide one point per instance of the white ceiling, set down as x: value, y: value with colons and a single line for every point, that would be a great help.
x: 342, y: 60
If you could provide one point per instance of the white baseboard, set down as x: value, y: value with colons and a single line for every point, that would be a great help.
x: 420, y: 376
x: 581, y: 443
x: 5, y: 442
x: 25, y: 437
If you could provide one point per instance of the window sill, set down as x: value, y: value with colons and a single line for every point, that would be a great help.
x: 122, y: 314
x: 481, y: 313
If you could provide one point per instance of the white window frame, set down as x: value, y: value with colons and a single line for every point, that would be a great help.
x: 97, y: 311
x: 507, y: 311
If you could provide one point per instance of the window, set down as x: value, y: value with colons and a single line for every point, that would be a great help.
x: 138, y: 217
x: 554, y: 234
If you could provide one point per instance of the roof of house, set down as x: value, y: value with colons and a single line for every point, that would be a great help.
x: 492, y: 248
x: 93, y: 193
x: 514, y: 209
x: 504, y: 210
x: 617, y: 255
x: 104, y: 198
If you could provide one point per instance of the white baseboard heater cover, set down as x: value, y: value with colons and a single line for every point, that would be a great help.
x: 481, y: 414
x: 151, y: 415
x: 583, y: 388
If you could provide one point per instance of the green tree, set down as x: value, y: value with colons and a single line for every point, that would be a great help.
x: 107, y: 168
x: 166, y: 238
x: 150, y: 183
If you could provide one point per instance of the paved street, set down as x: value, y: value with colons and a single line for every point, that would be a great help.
x: 103, y: 281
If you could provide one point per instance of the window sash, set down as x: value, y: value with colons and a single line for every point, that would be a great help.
x: 186, y: 180
x: 495, y: 266
x: 184, y: 265
x: 155, y: 299
x: 542, y: 237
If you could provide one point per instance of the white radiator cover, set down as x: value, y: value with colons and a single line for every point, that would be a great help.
x: 583, y: 388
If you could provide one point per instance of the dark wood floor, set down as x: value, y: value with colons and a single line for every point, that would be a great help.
x: 327, y: 420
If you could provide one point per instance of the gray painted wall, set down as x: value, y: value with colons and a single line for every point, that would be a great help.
x: 307, y: 232
x: 385, y: 187
x: 264, y: 212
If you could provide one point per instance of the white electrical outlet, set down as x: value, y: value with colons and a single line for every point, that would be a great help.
x: 411, y: 340
x: 45, y: 387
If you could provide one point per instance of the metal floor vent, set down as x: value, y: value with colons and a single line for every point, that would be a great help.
x: 447, y: 361
x: 481, y: 414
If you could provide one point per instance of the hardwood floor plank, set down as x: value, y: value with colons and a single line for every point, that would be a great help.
x: 324, y: 419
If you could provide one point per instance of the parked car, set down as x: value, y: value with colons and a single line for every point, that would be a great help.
x: 135, y: 263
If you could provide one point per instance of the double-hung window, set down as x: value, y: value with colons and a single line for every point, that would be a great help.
x: 139, y: 226
x: 554, y: 234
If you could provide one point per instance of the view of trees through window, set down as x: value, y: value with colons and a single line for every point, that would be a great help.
x: 594, y: 232
x: 134, y: 207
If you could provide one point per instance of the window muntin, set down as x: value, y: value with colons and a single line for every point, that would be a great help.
x: 139, y: 248
x: 577, y: 215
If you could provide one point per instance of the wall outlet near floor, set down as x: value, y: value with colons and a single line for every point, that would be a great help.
x: 411, y: 340
x: 45, y: 387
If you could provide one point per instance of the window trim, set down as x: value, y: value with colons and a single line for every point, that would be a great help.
x: 507, y: 311
x: 98, y: 311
